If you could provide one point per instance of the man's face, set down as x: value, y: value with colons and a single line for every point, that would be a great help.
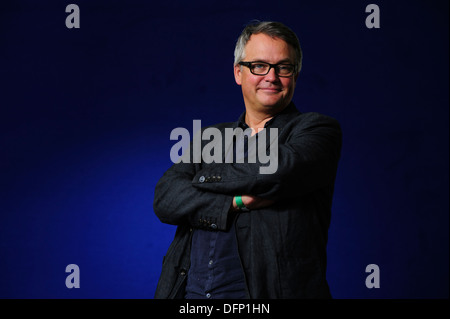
x: 268, y: 93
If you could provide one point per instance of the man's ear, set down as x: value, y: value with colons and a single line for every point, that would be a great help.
x: 238, y: 74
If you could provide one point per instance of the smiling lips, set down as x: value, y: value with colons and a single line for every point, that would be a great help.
x: 271, y: 89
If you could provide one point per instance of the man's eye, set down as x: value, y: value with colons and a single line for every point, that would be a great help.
x: 259, y: 66
x: 285, y: 68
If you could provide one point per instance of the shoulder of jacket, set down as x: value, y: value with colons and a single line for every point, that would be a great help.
x: 312, y: 121
x: 315, y: 118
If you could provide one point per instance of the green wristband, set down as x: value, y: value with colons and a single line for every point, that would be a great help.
x: 240, y: 203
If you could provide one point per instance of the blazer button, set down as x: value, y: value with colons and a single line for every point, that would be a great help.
x: 201, y: 179
x: 213, y: 226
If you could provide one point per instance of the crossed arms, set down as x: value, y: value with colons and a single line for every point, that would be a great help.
x: 201, y: 195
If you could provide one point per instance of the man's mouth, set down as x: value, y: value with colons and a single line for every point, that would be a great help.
x: 271, y: 90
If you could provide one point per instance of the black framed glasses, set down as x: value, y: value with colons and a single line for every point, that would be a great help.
x: 263, y: 68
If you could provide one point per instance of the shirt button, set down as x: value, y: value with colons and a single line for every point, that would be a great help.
x: 210, y: 262
x: 208, y: 295
x: 213, y: 226
x: 201, y: 179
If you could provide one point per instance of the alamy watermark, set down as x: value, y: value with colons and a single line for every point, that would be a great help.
x: 373, y: 19
x: 239, y: 146
x: 73, y: 19
x: 73, y: 279
x: 373, y: 280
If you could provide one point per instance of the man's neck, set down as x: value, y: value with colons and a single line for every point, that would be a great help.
x: 257, y: 120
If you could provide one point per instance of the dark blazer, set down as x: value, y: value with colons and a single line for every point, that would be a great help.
x: 282, y: 247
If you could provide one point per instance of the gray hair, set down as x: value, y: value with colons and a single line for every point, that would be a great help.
x: 272, y: 29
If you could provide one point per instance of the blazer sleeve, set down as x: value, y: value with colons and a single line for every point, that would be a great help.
x: 177, y: 202
x: 308, y: 155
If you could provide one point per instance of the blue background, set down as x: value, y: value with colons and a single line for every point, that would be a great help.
x: 86, y: 116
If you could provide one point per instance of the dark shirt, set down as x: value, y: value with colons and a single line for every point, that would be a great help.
x: 216, y: 270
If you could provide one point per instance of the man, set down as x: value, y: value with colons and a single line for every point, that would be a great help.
x: 243, y: 234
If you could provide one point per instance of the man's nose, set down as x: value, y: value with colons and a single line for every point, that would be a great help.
x: 272, y: 75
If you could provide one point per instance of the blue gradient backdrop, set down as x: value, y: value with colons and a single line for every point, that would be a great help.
x: 86, y: 116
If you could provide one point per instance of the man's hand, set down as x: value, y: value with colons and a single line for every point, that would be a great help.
x: 253, y: 202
